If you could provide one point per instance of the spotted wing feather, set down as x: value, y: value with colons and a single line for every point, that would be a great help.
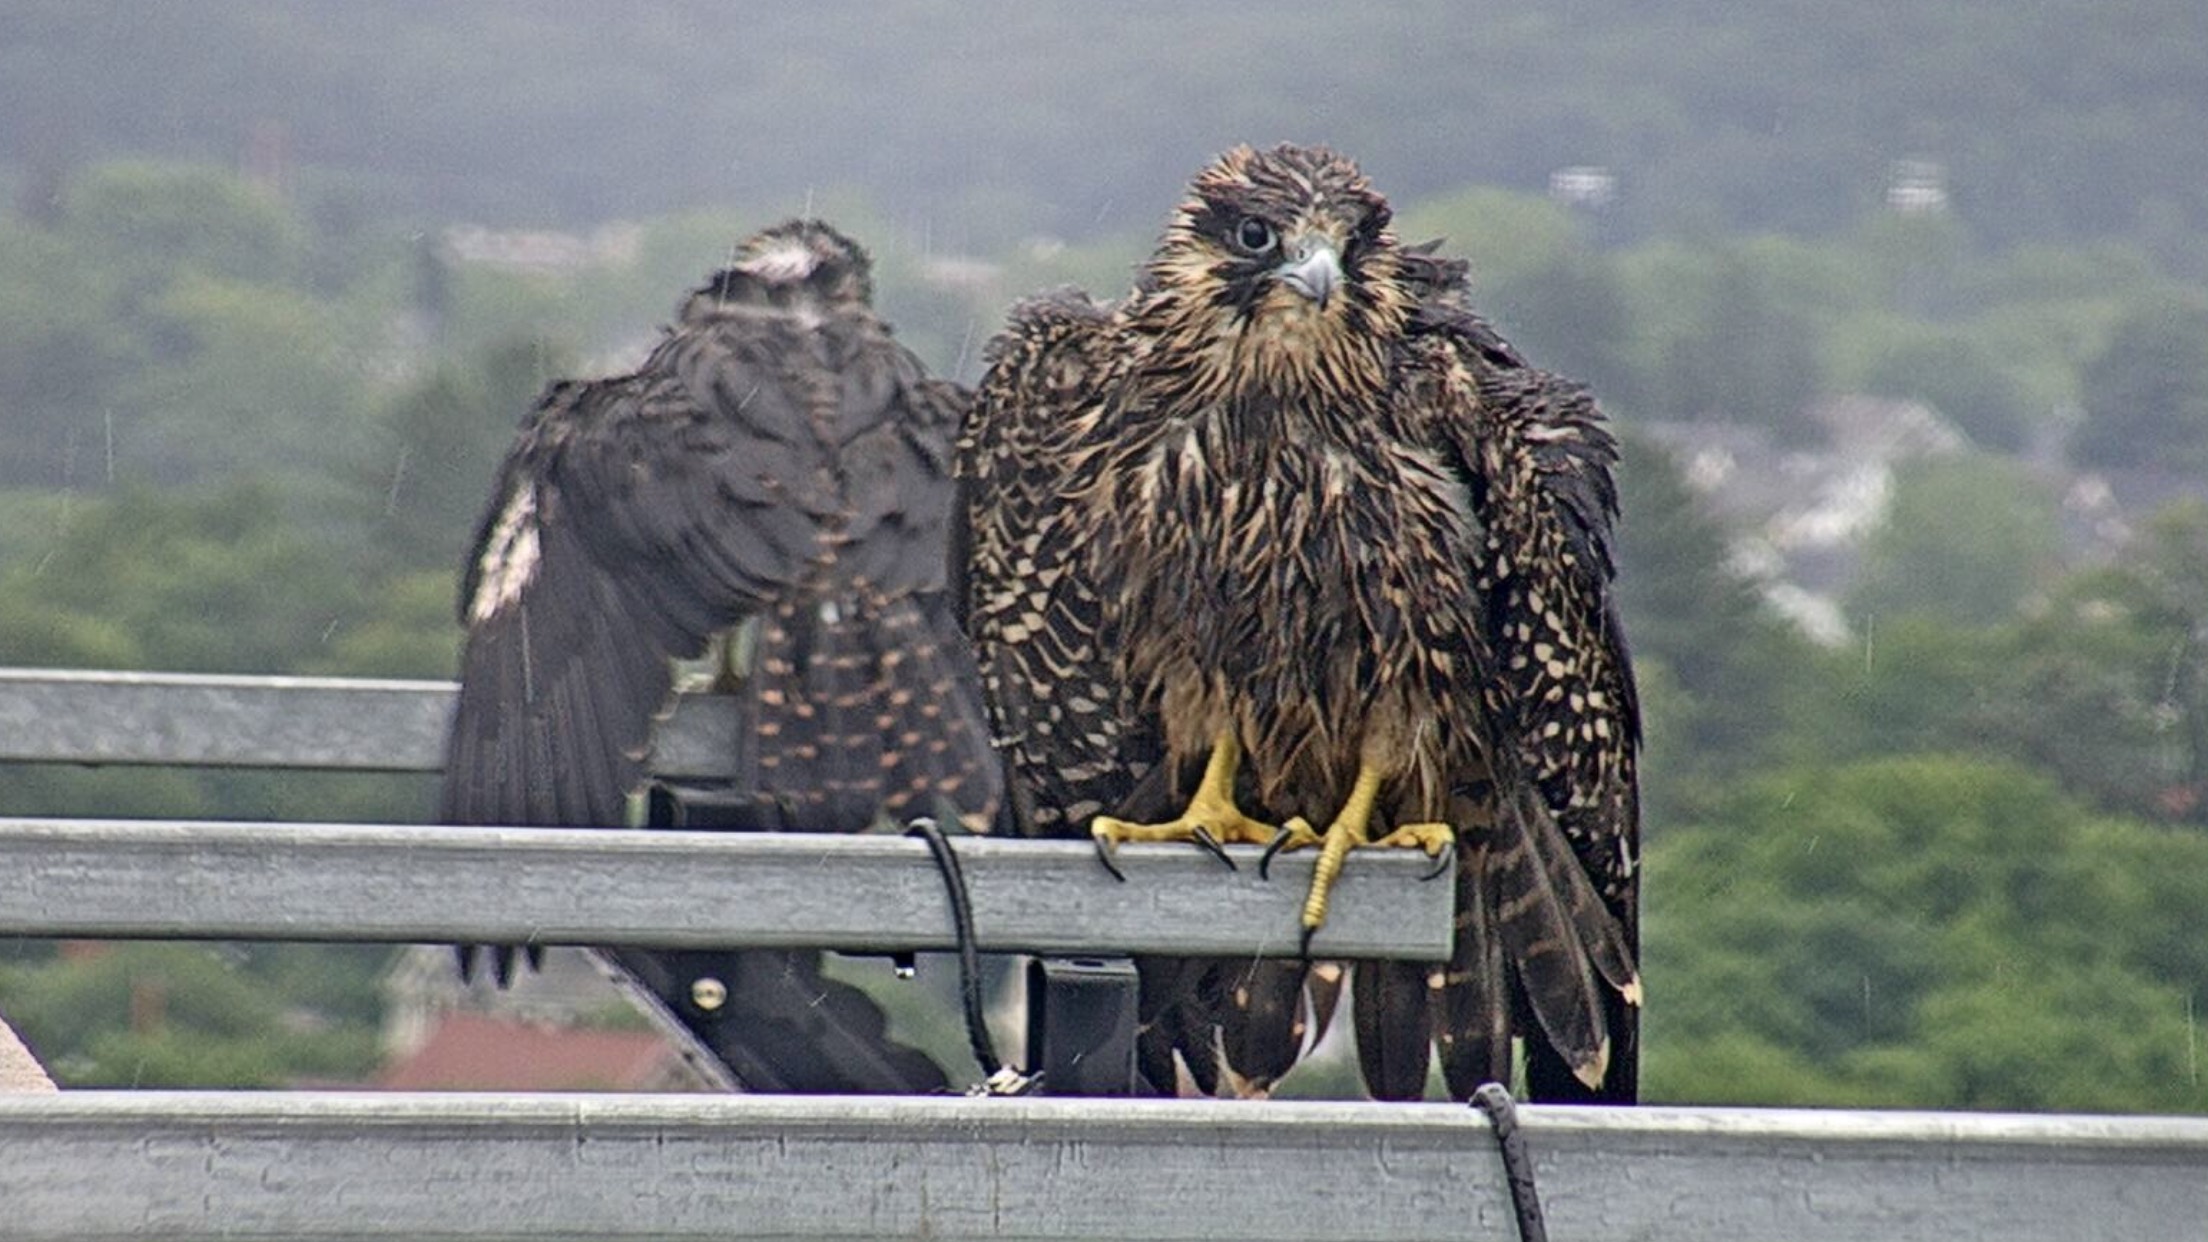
x: 1541, y: 460
x: 1041, y: 625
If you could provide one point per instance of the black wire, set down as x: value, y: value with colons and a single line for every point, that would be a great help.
x: 1493, y: 1099
x: 969, y: 958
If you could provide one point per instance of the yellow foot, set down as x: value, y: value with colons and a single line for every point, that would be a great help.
x: 1211, y: 819
x: 1341, y: 837
x: 1211, y: 827
x: 1431, y: 837
x: 1348, y: 832
x: 1223, y: 825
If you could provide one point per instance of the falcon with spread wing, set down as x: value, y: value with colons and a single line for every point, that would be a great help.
x: 774, y: 479
x: 1290, y: 536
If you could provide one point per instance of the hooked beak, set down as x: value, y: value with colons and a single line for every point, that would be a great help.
x: 1313, y: 271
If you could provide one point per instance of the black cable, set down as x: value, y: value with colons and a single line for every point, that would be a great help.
x: 1493, y: 1100
x: 998, y: 1077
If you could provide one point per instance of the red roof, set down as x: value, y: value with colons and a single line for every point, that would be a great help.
x: 478, y: 1052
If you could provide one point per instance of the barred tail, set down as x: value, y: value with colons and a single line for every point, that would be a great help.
x: 864, y: 708
x: 1536, y: 954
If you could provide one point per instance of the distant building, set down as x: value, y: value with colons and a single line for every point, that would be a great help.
x: 546, y: 1032
x: 1917, y: 187
x: 2102, y: 509
x: 961, y: 273
x: 265, y: 164
x: 1590, y: 187
x: 481, y: 1052
x: 544, y: 251
x: 1801, y: 515
x: 422, y: 988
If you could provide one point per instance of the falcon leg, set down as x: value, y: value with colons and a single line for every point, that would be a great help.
x: 1351, y: 830
x: 1211, y: 819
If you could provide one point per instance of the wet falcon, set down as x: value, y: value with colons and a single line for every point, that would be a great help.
x: 775, y: 478
x: 1289, y: 546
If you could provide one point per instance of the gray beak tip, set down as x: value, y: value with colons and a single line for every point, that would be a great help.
x: 1314, y: 273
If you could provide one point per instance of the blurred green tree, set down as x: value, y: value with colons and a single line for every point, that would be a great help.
x: 151, y: 221
x: 1966, y: 539
x: 2113, y: 694
x: 1911, y: 683
x: 1720, y: 336
x: 223, y: 579
x: 2146, y: 394
x: 1961, y: 378
x: 61, y: 359
x: 162, y: 1015
x: 259, y: 382
x: 1922, y: 932
x: 1719, y: 670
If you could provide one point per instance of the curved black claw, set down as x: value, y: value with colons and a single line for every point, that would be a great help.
x: 1304, y: 950
x: 1104, y: 855
x: 1272, y: 848
x: 1442, y: 862
x: 1202, y: 836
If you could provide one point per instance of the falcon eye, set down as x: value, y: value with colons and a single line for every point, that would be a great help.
x: 1254, y: 235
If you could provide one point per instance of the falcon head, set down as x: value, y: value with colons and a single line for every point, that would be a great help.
x: 1279, y: 270
x: 802, y: 265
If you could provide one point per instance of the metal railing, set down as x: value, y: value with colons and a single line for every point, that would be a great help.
x: 306, y: 1165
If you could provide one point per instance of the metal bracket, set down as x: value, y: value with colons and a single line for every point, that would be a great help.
x: 1081, y: 1024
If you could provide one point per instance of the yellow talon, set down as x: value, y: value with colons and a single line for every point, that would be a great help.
x: 1349, y: 831
x: 1211, y: 818
x: 1432, y: 837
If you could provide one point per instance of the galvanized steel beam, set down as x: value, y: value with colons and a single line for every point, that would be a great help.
x: 88, y: 1165
x: 335, y: 723
x: 400, y: 883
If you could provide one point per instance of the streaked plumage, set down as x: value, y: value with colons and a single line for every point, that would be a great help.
x: 779, y: 462
x: 1294, y: 493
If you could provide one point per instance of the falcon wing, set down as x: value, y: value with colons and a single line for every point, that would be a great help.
x: 764, y: 464
x: 1039, y: 622
x: 1540, y: 462
x: 633, y: 519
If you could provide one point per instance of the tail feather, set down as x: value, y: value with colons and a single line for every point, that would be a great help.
x: 854, y: 710
x: 1177, y: 1024
x: 1472, y: 1007
x: 1601, y: 936
x: 1262, y: 1027
x: 1535, y: 953
x: 1552, y: 1076
x: 1551, y: 1081
x: 1610, y: 948
x: 862, y: 706
x: 1394, y: 1047
x: 1556, y: 932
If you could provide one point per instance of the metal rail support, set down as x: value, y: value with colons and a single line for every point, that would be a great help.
x: 1081, y: 1024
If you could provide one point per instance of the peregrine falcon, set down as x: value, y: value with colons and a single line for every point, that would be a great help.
x: 774, y: 479
x: 1291, y: 536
